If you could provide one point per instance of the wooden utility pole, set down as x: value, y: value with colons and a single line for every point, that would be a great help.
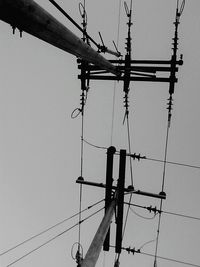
x: 28, y: 16
x: 94, y: 250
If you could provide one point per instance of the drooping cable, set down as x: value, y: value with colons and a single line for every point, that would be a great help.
x: 90, y: 144
x: 53, y: 238
x: 47, y: 230
x: 143, y: 217
x: 134, y: 156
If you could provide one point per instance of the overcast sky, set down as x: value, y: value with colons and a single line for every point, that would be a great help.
x: 40, y: 143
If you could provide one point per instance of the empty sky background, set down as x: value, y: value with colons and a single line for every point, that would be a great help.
x: 40, y: 143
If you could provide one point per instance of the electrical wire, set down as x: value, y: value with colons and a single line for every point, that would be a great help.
x: 143, y: 217
x: 90, y: 144
x: 146, y: 243
x: 165, y: 212
x: 138, y: 251
x: 81, y: 171
x: 148, y: 158
x: 159, y: 257
x: 48, y: 229
x: 129, y: 151
x: 170, y: 259
x: 163, y: 184
x: 129, y: 148
x: 83, y: 102
x: 181, y: 215
x: 174, y: 163
x: 52, y: 239
x: 114, y: 89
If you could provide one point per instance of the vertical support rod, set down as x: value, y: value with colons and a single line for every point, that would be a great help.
x: 120, y: 201
x: 108, y: 194
x: 94, y: 250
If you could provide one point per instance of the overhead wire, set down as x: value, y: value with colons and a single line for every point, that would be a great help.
x: 158, y: 256
x: 47, y: 230
x: 114, y: 89
x: 181, y: 215
x: 143, y: 217
x: 148, y: 158
x: 53, y: 238
x: 83, y: 102
x: 150, y: 209
x: 173, y: 162
x: 162, y: 189
x: 95, y: 146
x: 170, y: 104
x: 171, y: 260
x: 117, y: 257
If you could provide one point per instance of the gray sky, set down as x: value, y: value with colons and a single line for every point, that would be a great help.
x: 40, y: 143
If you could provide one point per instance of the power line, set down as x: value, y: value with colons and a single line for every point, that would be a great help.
x: 181, y: 215
x: 143, y: 217
x: 164, y: 211
x: 149, y: 158
x: 133, y: 251
x: 90, y: 144
x: 46, y: 230
x: 170, y: 259
x: 114, y: 89
x: 174, y: 163
x: 53, y: 238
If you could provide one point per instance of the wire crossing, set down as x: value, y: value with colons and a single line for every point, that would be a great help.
x: 47, y: 230
x: 53, y: 238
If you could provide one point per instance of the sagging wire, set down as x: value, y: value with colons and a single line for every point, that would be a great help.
x: 146, y: 243
x: 138, y: 157
x: 143, y: 217
x: 93, y: 145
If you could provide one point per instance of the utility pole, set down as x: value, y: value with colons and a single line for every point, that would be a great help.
x: 94, y: 250
x: 114, y: 201
x: 102, y: 236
